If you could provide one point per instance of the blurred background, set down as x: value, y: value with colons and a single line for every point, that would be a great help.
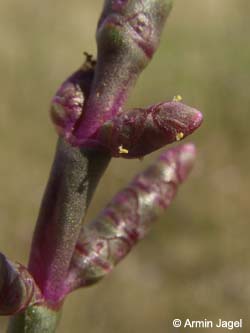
x: 194, y: 264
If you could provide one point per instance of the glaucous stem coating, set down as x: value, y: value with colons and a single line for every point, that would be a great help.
x: 74, y: 176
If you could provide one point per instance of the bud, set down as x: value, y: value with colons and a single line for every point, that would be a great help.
x: 138, y: 132
x: 128, y: 217
x: 67, y: 105
x: 17, y: 288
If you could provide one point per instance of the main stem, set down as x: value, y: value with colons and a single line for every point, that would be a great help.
x: 73, y: 179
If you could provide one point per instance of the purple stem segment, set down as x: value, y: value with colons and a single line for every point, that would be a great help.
x: 128, y: 217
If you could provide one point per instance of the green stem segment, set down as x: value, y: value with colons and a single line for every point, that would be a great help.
x: 35, y: 319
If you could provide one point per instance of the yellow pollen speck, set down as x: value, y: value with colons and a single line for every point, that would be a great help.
x: 122, y: 150
x: 179, y: 136
x: 177, y: 98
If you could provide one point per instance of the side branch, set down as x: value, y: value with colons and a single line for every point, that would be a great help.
x: 106, y: 240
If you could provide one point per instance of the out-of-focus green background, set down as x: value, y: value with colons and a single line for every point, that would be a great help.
x: 195, y: 263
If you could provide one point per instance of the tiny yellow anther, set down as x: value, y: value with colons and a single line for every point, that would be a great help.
x: 122, y: 150
x: 177, y: 98
x: 179, y: 136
